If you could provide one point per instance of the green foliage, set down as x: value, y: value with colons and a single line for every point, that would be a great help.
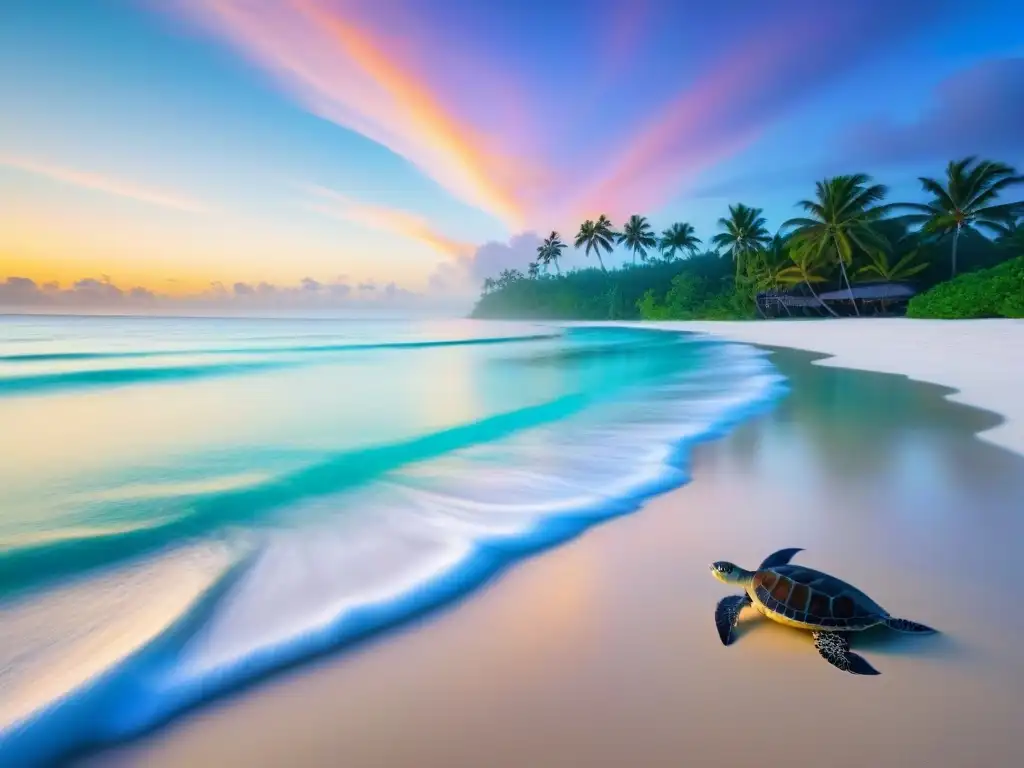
x: 1010, y: 236
x: 965, y: 201
x: 596, y: 236
x: 743, y: 233
x: 550, y: 251
x: 638, y: 237
x: 846, y: 233
x: 881, y: 268
x: 995, y: 292
x: 692, y: 297
x: 593, y: 294
x: 679, y: 238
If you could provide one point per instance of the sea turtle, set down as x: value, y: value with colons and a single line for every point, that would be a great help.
x: 807, y: 599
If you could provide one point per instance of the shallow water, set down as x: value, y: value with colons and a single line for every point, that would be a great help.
x: 191, y: 504
x: 604, y: 652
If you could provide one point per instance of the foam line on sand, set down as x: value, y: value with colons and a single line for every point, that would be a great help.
x: 982, y: 359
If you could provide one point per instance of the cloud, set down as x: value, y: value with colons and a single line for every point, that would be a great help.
x: 491, y: 258
x: 388, y: 72
x: 86, y: 293
x: 393, y: 220
x: 91, y: 294
x: 343, y: 71
x: 93, y: 291
x: 142, y: 294
x: 979, y: 110
x: 759, y: 75
x: 20, y: 291
x: 102, y: 183
x: 464, y: 276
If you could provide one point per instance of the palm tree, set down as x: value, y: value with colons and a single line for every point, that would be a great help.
x: 637, y: 236
x: 965, y: 202
x: 679, y: 237
x: 593, y: 236
x: 489, y: 284
x: 533, y: 270
x: 807, y: 267
x: 550, y: 251
x: 1011, y: 236
x: 744, y: 232
x: 761, y: 270
x: 768, y: 263
x: 841, y: 217
x: 881, y: 269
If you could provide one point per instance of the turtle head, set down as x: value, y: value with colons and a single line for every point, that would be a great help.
x: 730, y: 573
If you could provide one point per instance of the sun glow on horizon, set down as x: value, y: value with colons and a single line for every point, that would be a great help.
x: 187, y: 146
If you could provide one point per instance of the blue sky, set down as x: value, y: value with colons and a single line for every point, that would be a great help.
x: 200, y: 149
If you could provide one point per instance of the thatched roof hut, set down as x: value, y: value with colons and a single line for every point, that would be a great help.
x: 872, y: 292
x: 776, y: 301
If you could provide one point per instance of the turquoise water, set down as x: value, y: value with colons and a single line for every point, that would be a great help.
x: 189, y: 504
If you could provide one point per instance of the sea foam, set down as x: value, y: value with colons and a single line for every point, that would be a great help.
x: 433, y: 519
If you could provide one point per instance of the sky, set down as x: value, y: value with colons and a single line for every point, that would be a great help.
x: 325, y: 154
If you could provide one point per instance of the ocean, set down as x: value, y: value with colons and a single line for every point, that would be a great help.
x: 187, y: 505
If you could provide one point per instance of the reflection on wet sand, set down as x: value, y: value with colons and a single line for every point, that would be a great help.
x: 604, y: 652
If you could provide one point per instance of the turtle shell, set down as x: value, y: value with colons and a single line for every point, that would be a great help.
x: 814, y: 598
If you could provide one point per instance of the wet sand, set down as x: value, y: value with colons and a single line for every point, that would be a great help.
x: 603, y: 652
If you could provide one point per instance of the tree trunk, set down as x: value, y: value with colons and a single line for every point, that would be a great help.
x: 956, y: 237
x: 558, y: 269
x: 842, y: 270
x: 826, y: 306
x: 600, y: 261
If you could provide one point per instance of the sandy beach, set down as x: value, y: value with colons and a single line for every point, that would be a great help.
x: 603, y: 651
x: 983, y: 360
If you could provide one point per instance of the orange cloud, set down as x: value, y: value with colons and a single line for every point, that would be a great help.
x: 349, y: 75
x: 105, y: 184
x: 402, y: 223
x: 721, y: 114
x: 387, y: 71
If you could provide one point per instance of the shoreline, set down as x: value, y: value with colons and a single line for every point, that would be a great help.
x: 621, y: 610
x: 757, y: 389
x: 983, y: 360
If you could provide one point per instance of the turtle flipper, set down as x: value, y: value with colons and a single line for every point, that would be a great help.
x: 905, y: 625
x: 782, y: 557
x: 834, y: 648
x: 727, y: 613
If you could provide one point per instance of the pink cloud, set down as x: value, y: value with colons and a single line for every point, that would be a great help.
x: 538, y: 157
x: 330, y: 59
x: 103, y: 183
x: 402, y: 223
x: 754, y: 79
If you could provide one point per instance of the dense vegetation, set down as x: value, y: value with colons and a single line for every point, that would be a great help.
x: 848, y: 234
x: 994, y: 292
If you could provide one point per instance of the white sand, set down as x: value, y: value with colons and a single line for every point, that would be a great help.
x: 982, y: 359
x: 603, y: 652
